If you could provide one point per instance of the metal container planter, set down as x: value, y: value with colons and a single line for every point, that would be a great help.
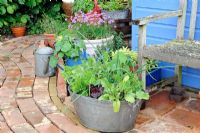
x: 91, y: 45
x: 99, y: 115
x: 119, y: 14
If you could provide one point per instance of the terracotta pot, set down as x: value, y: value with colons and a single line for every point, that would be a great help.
x: 18, y: 31
x: 50, y: 40
x: 67, y: 7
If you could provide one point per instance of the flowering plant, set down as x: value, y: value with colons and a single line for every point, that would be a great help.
x: 91, y: 25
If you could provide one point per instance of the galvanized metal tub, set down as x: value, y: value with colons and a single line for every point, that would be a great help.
x: 99, y: 115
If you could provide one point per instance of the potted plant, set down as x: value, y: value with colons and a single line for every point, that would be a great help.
x: 83, y: 5
x: 105, y: 93
x: 69, y: 48
x: 116, y: 9
x: 67, y: 7
x: 93, y: 28
x: 50, y: 27
x: 18, y: 26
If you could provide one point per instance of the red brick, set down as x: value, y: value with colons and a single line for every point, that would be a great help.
x: 10, y: 84
x: 27, y: 105
x: 142, y: 119
x: 161, y: 126
x: 13, y: 73
x: 24, y: 128
x: 191, y: 105
x: 13, y: 117
x: 1, y: 118
x: 160, y: 103
x: 5, y: 92
x: 186, y: 118
x: 48, y: 128
x: 24, y: 94
x: 4, y: 128
x: 6, y: 102
x: 26, y: 82
x: 34, y: 117
x: 66, y: 124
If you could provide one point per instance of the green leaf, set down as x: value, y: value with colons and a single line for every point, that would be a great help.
x: 4, y: 2
x: 66, y: 48
x: 104, y: 97
x: 53, y: 61
x: 2, y: 10
x: 116, y: 106
x: 60, y: 55
x: 126, y: 78
x: 142, y: 95
x: 10, y: 9
x: 22, y: 2
x: 24, y: 18
x: 1, y: 24
x: 130, y: 97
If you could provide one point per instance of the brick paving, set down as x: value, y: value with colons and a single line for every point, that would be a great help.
x: 30, y: 104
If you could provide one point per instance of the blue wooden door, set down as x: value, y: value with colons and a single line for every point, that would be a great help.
x: 164, y: 30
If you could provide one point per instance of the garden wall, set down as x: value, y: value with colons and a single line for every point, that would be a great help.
x: 164, y: 30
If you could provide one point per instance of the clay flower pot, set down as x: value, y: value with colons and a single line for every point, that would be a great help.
x: 50, y: 40
x: 18, y: 31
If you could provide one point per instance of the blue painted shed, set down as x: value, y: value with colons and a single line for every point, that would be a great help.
x: 163, y: 30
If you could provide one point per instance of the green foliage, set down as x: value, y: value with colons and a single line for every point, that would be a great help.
x: 112, y: 73
x: 68, y: 46
x: 20, y: 12
x: 83, y: 5
x: 112, y: 5
x: 92, y: 32
x: 51, y: 25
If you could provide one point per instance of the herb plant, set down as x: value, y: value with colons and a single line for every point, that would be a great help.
x: 67, y: 45
x: 109, y: 78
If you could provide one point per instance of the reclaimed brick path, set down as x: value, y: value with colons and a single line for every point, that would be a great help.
x: 30, y: 104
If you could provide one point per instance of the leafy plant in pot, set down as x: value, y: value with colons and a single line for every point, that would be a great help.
x: 93, y: 28
x: 116, y: 9
x: 51, y: 26
x: 18, y: 26
x: 68, y: 47
x: 105, y: 93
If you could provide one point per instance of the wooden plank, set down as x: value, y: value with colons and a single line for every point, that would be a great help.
x: 168, y: 57
x: 193, y: 19
x: 181, y: 20
x: 141, y: 44
x: 148, y: 19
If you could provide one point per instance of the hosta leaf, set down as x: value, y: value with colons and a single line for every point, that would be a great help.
x: 130, y: 98
x: 24, y: 18
x: 10, y: 9
x: 2, y: 10
x: 116, y: 106
x: 142, y: 95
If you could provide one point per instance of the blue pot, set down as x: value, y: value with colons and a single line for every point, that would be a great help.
x: 154, y: 78
x: 73, y: 62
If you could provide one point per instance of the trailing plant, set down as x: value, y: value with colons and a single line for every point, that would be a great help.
x: 107, y: 79
x: 67, y: 45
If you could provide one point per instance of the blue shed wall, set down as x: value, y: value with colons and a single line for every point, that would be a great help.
x: 163, y: 30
